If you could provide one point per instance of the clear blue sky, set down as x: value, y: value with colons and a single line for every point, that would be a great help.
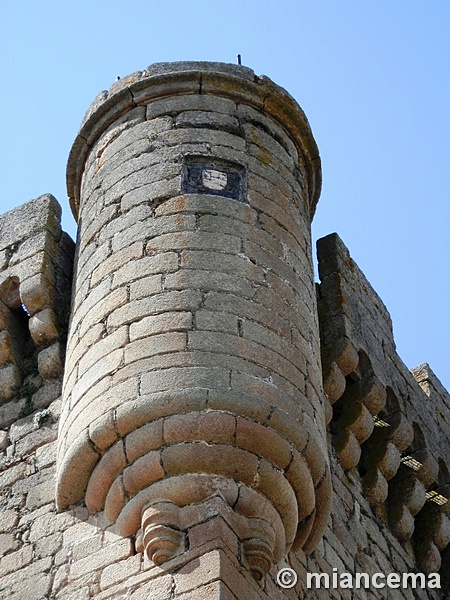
x: 372, y: 77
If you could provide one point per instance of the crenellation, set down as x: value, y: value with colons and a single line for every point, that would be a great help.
x: 396, y: 467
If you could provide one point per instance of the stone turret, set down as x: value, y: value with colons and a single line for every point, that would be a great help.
x: 191, y: 457
x: 192, y: 382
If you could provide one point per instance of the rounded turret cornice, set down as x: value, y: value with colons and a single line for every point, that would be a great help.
x: 161, y: 80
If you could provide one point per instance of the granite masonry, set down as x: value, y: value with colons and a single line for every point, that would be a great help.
x: 183, y: 411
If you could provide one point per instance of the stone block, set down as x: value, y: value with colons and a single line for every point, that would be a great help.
x: 154, y: 345
x: 8, y: 543
x: 44, y: 435
x: 217, y: 459
x: 290, y: 426
x: 102, y: 431
x: 269, y: 144
x: 92, y: 229
x: 49, y: 394
x: 211, y: 426
x: 37, y: 293
x: 146, y: 287
x: 263, y: 441
x: 144, y: 409
x: 41, y: 494
x: 211, y: 591
x: 185, y: 300
x: 112, y: 396
x: 194, y: 240
x: 212, y: 567
x: 90, y: 259
x: 207, y: 119
x: 104, y: 347
x: 11, y: 411
x: 208, y: 281
x: 42, y: 326
x: 50, y: 545
x: 50, y: 363
x: 185, y: 378
x: 119, y: 550
x: 109, y: 303
x: 214, y: 529
x: 20, y: 223
x: 18, y: 587
x: 157, y: 324
x: 217, y: 321
x: 76, y: 532
x: 16, y: 560
x: 10, y: 379
x: 192, y: 102
x: 204, y: 204
x: 79, y: 461
x: 131, y: 176
x: 116, y: 500
x: 155, y: 192
x: 10, y: 518
x: 120, y: 571
x: 96, y: 373
x: 144, y: 471
x: 46, y: 455
x: 115, y: 261
x: 8, y: 350
x: 159, y: 588
x: 149, y: 265
x: 143, y: 439
x: 120, y: 140
x: 243, y: 308
x: 3, y: 440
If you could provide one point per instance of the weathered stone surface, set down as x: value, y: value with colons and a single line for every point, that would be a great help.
x: 3, y: 440
x: 9, y: 379
x: 40, y: 214
x: 50, y: 363
x: 43, y: 326
x: 192, y: 372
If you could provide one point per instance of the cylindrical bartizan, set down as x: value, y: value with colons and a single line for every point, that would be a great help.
x: 193, y: 365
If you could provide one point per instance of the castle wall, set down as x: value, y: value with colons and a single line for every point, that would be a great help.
x: 73, y: 554
x: 388, y: 432
x: 193, y: 354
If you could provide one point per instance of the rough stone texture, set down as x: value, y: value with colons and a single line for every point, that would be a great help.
x: 193, y: 385
x: 35, y: 292
x: 207, y: 192
x: 399, y: 466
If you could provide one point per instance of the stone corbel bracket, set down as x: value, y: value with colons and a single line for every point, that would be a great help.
x: 280, y: 494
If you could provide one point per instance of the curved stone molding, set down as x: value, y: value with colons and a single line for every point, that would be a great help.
x: 192, y: 365
x: 147, y: 456
x: 163, y: 81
